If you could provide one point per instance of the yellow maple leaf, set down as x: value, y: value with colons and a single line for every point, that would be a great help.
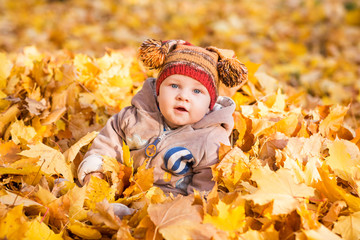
x: 279, y: 104
x: 348, y: 226
x: 21, y: 133
x: 13, y: 225
x: 288, y: 124
x: 8, y: 153
x: 341, y: 162
x: 329, y: 188
x: 229, y: 218
x: 280, y: 188
x: 333, y: 120
x: 115, y: 69
x: 233, y: 167
x: 96, y: 190
x: 51, y: 160
x: 321, y: 233
x: 128, y: 160
x: 37, y: 230
x: 83, y: 230
x: 141, y: 182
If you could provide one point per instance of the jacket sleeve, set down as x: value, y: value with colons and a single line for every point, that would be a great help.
x: 108, y: 142
x: 202, y: 172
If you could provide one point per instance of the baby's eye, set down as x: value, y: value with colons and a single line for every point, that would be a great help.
x: 197, y: 91
x: 173, y: 85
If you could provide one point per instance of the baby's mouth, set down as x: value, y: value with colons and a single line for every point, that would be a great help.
x: 181, y: 109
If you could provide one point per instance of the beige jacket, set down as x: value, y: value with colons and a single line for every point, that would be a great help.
x: 187, y: 153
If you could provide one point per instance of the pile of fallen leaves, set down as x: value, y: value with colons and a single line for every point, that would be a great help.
x: 312, y: 45
x: 293, y: 172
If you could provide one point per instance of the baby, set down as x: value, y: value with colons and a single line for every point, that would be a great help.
x: 177, y: 121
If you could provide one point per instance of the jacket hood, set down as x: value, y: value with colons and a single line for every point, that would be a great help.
x: 146, y: 100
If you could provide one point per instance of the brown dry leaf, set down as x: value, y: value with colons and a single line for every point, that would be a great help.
x: 333, y: 213
x: 8, y: 153
x: 69, y: 205
x: 51, y: 160
x: 119, y: 173
x: 280, y: 188
x: 271, y: 143
x: 103, y: 214
x: 333, y: 121
x: 35, y: 107
x: 178, y: 219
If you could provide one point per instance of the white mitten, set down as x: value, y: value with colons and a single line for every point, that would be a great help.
x: 122, y: 210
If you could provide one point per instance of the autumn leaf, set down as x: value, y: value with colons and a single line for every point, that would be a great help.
x: 141, y: 181
x: 71, y: 153
x: 51, y: 160
x: 233, y: 168
x: 229, y: 218
x: 103, y: 213
x: 348, y: 226
x: 21, y: 133
x: 84, y: 231
x: 280, y: 188
x: 11, y: 226
x: 321, y: 233
x: 329, y: 188
x: 38, y: 230
x: 178, y: 219
x: 297, y: 113
x: 341, y: 162
x: 333, y: 121
x: 10, y: 199
x: 96, y: 191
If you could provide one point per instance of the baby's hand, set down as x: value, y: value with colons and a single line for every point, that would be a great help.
x: 95, y: 174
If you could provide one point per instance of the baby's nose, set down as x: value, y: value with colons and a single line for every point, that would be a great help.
x: 183, y: 95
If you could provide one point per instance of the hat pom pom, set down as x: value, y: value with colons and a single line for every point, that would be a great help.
x: 153, y: 52
x: 232, y: 72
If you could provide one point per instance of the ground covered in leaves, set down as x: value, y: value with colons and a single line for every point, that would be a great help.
x: 293, y: 171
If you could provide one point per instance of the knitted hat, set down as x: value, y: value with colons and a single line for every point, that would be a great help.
x: 206, y: 65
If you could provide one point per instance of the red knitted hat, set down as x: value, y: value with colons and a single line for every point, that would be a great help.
x: 206, y: 65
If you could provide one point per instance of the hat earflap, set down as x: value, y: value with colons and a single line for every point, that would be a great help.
x: 153, y: 52
x: 231, y: 71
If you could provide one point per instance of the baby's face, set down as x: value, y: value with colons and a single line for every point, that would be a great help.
x: 183, y: 100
